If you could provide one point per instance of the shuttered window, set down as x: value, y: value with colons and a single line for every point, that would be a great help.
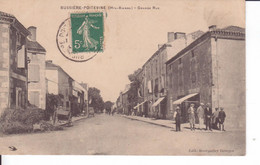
x: 21, y: 58
x: 34, y: 98
x: 34, y: 73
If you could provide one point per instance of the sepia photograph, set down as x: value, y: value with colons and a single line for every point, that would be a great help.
x: 121, y: 77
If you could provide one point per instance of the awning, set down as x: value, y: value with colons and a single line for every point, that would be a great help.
x: 184, y: 98
x: 142, y: 102
x: 135, y: 107
x: 158, y: 101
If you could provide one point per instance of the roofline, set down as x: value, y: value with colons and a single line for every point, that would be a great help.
x: 12, y: 20
x: 217, y: 34
x: 156, y: 53
x: 57, y: 67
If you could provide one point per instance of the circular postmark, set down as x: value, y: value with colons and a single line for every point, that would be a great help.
x: 80, y: 37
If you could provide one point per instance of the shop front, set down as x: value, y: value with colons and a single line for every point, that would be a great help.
x: 184, y: 103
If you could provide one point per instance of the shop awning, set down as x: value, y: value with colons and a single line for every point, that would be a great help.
x: 142, y: 103
x: 158, y: 101
x: 184, y: 98
x: 135, y: 107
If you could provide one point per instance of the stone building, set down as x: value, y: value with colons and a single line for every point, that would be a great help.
x: 141, y: 106
x: 210, y: 70
x: 79, y: 98
x: 13, y: 63
x: 125, y: 103
x: 59, y: 83
x: 36, y: 71
x: 154, y: 73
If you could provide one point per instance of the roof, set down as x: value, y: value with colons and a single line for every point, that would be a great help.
x: 234, y: 28
x: 229, y: 32
x: 6, y: 14
x: 9, y: 18
x: 50, y: 65
x: 34, y: 46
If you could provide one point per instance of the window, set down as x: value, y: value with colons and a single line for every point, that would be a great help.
x: 170, y: 80
x: 193, y: 77
x: 67, y: 104
x: 34, y: 98
x: 67, y: 92
x: 34, y: 73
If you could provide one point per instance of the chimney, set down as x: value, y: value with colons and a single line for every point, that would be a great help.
x: 179, y: 35
x: 170, y: 36
x: 32, y: 30
x: 212, y: 27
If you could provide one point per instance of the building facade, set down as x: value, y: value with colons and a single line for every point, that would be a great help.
x: 36, y: 71
x: 59, y: 83
x: 13, y: 63
x: 210, y: 70
x: 79, y: 98
x: 154, y: 73
x: 125, y: 102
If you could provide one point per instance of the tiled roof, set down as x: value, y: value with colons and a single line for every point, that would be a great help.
x: 35, y: 46
x: 234, y: 29
x: 6, y: 14
x: 5, y: 17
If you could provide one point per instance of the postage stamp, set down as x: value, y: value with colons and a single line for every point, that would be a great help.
x: 87, y: 30
x: 81, y: 36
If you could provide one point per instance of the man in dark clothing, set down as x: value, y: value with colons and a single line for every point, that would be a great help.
x: 177, y: 116
x: 221, y: 117
x: 208, y: 114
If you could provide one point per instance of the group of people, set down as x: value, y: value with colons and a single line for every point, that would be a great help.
x: 204, y: 115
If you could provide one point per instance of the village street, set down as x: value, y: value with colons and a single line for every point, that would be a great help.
x: 116, y: 135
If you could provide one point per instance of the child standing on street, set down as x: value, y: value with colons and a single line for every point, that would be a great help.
x: 221, y: 117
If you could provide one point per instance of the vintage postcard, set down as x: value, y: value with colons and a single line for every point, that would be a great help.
x: 119, y: 77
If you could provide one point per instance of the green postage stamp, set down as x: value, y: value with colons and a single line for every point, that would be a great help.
x: 87, y: 32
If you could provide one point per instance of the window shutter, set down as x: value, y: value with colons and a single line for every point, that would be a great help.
x: 34, y: 73
x: 21, y: 58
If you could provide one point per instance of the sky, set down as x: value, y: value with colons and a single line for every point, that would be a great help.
x: 131, y: 36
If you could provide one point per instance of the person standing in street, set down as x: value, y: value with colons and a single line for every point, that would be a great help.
x: 191, y: 112
x: 201, y: 116
x: 215, y: 120
x: 208, y: 114
x: 177, y: 116
x: 221, y: 118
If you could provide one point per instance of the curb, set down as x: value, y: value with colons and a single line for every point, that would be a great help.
x: 166, y: 126
x: 64, y: 124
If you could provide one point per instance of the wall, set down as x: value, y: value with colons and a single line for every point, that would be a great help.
x: 52, y: 79
x: 191, y: 75
x: 155, y: 72
x: 4, y: 67
x: 18, y: 74
x: 229, y: 82
x: 39, y: 86
x: 64, y: 87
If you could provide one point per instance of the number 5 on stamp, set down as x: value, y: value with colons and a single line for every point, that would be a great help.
x: 87, y: 30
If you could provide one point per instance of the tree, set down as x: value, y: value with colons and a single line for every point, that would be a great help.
x: 134, y: 86
x: 95, y: 99
x: 108, y: 105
